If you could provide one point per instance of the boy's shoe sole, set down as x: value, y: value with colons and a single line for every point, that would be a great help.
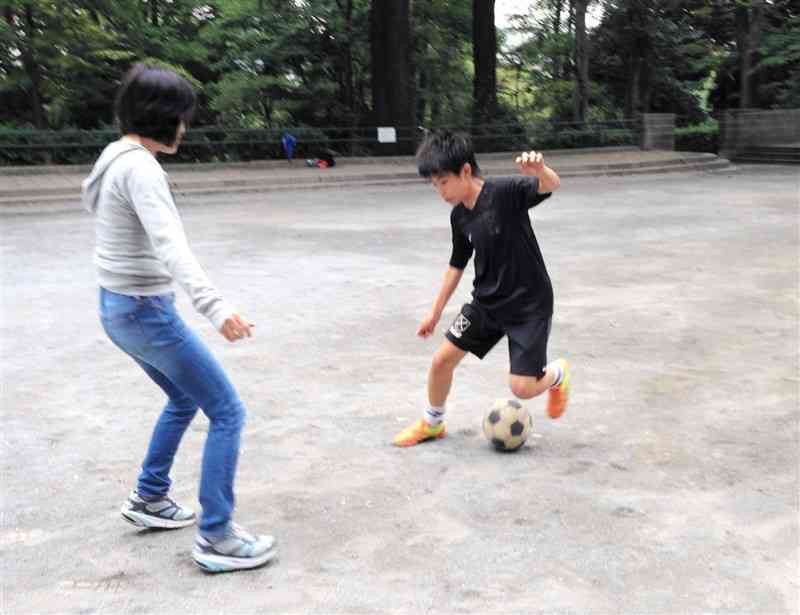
x: 149, y: 521
x: 213, y: 562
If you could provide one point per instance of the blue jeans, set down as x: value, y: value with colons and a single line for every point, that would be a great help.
x: 150, y: 331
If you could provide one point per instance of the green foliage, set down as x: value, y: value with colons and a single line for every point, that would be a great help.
x: 556, y: 137
x: 24, y: 147
x: 776, y: 72
x: 260, y: 66
x: 651, y: 57
x: 443, y: 57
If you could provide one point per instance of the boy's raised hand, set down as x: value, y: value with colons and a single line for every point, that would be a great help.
x: 531, y: 163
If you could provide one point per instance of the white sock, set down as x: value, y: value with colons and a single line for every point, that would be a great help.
x: 433, y: 415
x: 555, y: 366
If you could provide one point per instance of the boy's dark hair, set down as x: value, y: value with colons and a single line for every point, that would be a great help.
x: 445, y: 152
x: 152, y: 102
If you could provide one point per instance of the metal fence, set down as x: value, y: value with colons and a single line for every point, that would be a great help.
x: 221, y: 144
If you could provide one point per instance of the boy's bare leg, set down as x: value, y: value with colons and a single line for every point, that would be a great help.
x: 440, y: 375
x: 527, y: 387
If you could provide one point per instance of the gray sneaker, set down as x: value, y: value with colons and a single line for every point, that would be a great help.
x: 162, y: 513
x: 238, y: 549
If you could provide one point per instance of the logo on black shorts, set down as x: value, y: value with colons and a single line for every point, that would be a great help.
x: 459, y: 325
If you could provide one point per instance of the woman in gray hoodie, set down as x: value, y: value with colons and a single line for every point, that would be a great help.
x: 141, y: 250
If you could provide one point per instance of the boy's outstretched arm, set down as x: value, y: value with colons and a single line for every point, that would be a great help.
x: 532, y: 164
x: 451, y: 279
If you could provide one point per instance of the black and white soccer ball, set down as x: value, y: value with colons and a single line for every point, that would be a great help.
x: 507, y: 425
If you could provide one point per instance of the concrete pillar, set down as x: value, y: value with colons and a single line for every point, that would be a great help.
x: 729, y: 134
x: 658, y: 131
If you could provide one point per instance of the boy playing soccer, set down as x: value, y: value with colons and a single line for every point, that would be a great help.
x: 512, y: 294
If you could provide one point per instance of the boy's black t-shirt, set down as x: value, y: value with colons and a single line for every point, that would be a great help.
x: 511, y: 279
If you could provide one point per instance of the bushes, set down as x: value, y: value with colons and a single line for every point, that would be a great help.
x: 572, y: 139
x: 698, y: 138
x: 558, y: 135
x: 32, y: 147
x: 26, y: 147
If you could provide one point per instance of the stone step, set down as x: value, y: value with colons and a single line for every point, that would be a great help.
x: 70, y: 200
x: 778, y: 149
x: 773, y: 154
x: 237, y: 183
x: 761, y: 160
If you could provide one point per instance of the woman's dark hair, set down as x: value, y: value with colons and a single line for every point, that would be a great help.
x: 152, y: 102
x: 445, y: 152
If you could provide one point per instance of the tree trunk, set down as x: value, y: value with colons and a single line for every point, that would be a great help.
x: 154, y: 12
x: 638, y: 50
x: 346, y: 83
x: 557, y: 61
x: 632, y: 91
x: 558, y: 7
x: 348, y: 93
x: 436, y: 111
x: 748, y: 35
x: 484, y: 52
x: 379, y: 70
x: 422, y: 96
x: 571, y: 17
x: 581, y: 97
x: 393, y: 81
x: 33, y: 70
x: 645, y: 84
x: 568, y: 67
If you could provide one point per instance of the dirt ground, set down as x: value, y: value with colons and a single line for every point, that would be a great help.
x: 670, y: 486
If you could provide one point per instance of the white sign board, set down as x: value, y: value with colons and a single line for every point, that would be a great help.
x: 387, y: 134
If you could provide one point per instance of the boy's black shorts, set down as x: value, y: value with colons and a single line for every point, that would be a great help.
x: 475, y: 331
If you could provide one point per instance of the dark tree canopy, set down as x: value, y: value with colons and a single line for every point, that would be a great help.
x: 360, y: 63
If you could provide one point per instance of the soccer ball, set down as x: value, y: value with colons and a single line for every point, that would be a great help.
x: 507, y: 425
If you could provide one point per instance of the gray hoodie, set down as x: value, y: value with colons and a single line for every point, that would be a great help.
x: 141, y: 246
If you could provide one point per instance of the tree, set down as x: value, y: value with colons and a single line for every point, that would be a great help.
x: 346, y: 85
x: 542, y: 62
x: 393, y: 82
x: 758, y: 45
x: 484, y: 41
x: 356, y: 63
x: 442, y: 53
x: 748, y: 34
x: 24, y: 23
x: 652, y: 57
x: 581, y: 62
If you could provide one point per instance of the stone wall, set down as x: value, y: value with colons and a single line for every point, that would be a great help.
x: 741, y: 129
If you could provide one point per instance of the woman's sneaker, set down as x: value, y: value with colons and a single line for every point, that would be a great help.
x: 238, y: 549
x: 162, y: 513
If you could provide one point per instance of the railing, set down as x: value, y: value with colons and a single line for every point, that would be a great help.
x: 215, y: 143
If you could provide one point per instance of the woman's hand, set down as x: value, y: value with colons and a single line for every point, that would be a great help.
x: 236, y: 327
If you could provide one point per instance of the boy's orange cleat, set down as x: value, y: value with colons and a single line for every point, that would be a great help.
x: 558, y: 396
x: 419, y: 432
